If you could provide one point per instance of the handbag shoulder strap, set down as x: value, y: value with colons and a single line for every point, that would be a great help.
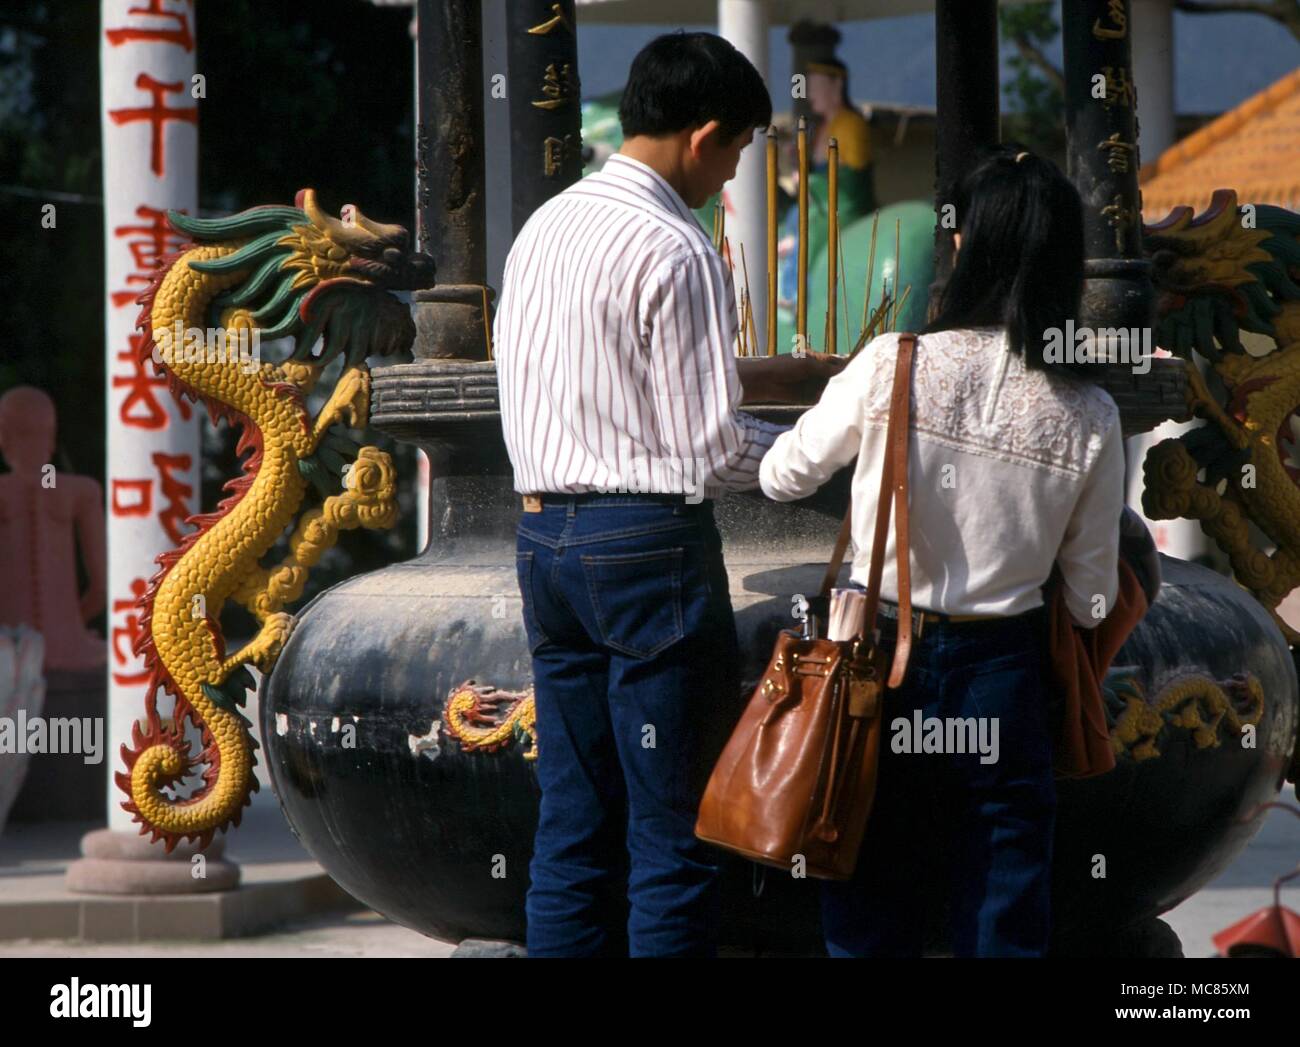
x: 892, y: 493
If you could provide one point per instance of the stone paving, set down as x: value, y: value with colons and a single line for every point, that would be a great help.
x: 1245, y: 886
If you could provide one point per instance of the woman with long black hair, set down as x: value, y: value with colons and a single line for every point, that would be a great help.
x: 1015, y: 463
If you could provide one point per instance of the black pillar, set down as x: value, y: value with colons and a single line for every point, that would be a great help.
x: 1102, y: 158
x: 545, y: 103
x: 452, y: 318
x: 966, y: 65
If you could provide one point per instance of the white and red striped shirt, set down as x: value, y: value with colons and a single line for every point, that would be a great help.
x: 614, y: 346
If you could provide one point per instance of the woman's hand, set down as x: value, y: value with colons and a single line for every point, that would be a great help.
x: 787, y: 379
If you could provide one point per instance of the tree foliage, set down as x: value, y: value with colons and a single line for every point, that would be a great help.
x: 1036, y: 89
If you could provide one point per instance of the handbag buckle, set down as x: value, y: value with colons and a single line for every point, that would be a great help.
x: 862, y: 680
x: 807, y: 665
x: 864, y: 693
x: 773, y: 687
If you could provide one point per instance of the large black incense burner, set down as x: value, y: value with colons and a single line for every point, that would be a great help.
x: 425, y: 810
x: 398, y: 721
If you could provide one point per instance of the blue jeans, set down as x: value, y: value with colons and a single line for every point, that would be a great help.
x: 636, y: 676
x: 958, y: 823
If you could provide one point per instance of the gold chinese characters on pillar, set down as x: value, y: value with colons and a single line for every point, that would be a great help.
x: 546, y: 64
x: 556, y: 152
x: 1118, y: 152
x: 559, y: 86
x: 1115, y: 13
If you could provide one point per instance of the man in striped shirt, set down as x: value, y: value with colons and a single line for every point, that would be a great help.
x: 619, y: 404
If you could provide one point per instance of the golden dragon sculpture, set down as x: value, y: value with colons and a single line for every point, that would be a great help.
x: 1234, y: 270
x: 1230, y: 271
x: 273, y: 272
x: 483, y: 718
x: 1213, y: 711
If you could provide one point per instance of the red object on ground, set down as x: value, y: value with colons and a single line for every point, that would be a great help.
x: 1274, y: 930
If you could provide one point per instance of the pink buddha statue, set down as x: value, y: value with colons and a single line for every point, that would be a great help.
x: 45, y: 515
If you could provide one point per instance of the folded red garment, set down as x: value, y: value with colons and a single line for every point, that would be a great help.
x: 1080, y: 658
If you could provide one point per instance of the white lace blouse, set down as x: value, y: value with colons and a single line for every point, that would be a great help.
x: 1010, y: 469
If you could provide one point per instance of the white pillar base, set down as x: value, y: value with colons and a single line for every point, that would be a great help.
x: 115, y: 862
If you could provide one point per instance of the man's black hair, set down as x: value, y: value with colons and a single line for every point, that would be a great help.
x: 681, y: 80
x: 1020, y: 265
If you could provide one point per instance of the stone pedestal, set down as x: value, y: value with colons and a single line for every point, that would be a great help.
x: 64, y: 786
x: 115, y: 862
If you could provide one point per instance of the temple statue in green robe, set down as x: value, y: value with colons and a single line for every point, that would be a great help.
x: 838, y: 118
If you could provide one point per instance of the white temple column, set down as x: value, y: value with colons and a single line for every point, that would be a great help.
x: 1152, y: 34
x: 149, y: 118
x: 745, y: 24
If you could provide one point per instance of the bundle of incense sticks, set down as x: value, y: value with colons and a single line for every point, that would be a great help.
x: 747, y: 329
x: 885, y: 315
x: 747, y: 324
x: 848, y: 608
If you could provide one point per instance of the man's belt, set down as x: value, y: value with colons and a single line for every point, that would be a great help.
x: 533, y: 502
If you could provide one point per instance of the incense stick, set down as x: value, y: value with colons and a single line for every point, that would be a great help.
x: 902, y: 301
x: 832, y: 240
x: 801, y: 304
x: 746, y: 325
x: 771, y: 240
x: 749, y: 306
x: 871, y: 268
x: 867, y: 331
x: 898, y: 271
x: 753, y: 331
x: 844, y: 291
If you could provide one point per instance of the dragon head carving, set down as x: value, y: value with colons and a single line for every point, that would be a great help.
x: 315, y: 277
x: 1228, y: 270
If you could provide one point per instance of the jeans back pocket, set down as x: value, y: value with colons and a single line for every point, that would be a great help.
x: 524, y: 574
x: 637, y: 599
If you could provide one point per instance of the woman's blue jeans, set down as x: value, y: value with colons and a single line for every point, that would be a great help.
x: 979, y: 829
x: 636, y: 677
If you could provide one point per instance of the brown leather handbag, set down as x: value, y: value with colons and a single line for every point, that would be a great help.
x: 798, y: 776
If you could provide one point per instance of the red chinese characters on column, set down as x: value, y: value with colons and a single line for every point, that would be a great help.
x: 175, y: 27
x: 150, y: 242
x: 131, y: 632
x: 135, y: 497
x: 131, y: 497
x: 140, y: 408
x: 157, y: 114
